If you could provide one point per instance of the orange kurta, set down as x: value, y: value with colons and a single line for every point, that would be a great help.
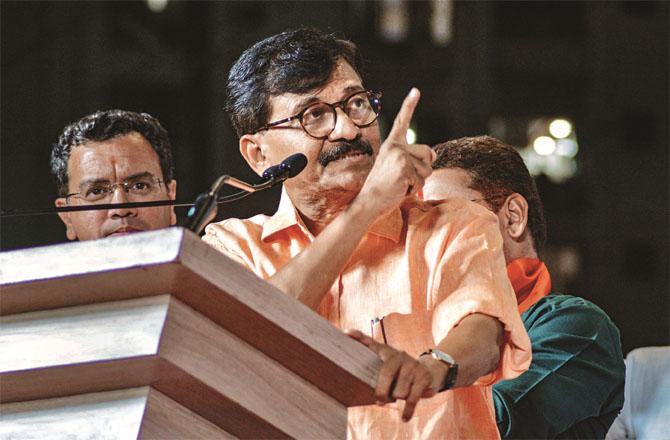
x: 422, y: 268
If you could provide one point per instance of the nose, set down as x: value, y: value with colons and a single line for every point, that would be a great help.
x: 119, y: 195
x: 344, y: 127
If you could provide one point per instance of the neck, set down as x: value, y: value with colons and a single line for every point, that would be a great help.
x: 514, y: 254
x: 318, y: 210
x: 518, y: 249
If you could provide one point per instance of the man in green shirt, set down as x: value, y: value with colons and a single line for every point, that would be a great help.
x: 574, y: 386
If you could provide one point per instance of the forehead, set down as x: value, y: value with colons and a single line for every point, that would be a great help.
x: 447, y: 183
x: 343, y: 81
x: 113, y: 159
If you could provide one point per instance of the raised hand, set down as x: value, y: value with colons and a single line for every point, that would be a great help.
x: 400, y: 377
x: 400, y: 168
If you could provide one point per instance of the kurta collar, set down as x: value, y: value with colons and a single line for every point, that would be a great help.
x: 388, y: 226
x: 287, y: 216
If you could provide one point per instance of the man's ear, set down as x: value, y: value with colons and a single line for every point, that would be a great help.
x: 65, y: 218
x: 172, y: 195
x: 515, y: 215
x: 252, y: 151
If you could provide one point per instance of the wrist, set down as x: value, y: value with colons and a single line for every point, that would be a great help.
x: 438, y: 372
x: 442, y: 367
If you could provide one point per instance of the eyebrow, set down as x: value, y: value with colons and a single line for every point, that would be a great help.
x: 88, y: 182
x: 309, y: 100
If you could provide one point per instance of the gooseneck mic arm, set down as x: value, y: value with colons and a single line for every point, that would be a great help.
x: 205, y: 207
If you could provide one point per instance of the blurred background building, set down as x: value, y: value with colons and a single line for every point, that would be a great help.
x: 581, y: 88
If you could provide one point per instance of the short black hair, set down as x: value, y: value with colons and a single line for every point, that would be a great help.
x: 294, y: 61
x: 104, y: 125
x: 496, y: 170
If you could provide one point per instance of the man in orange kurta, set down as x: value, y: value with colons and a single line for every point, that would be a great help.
x: 352, y: 242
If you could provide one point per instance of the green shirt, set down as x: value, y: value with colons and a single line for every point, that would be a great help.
x: 574, y: 385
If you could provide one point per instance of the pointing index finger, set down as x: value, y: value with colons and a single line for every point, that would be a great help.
x: 404, y: 116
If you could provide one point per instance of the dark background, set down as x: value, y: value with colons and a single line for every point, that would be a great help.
x: 602, y: 64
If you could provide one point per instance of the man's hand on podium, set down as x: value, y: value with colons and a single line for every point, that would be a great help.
x: 400, y: 377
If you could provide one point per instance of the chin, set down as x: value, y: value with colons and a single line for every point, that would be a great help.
x: 351, y: 185
x: 352, y: 177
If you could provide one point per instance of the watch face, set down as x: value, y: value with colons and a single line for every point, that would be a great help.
x: 441, y: 356
x: 450, y: 379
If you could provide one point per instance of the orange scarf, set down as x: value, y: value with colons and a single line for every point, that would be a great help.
x: 530, y: 280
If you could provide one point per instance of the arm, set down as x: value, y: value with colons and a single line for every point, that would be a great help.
x: 404, y: 377
x: 486, y: 332
x: 309, y: 276
x: 473, y: 313
x: 576, y: 374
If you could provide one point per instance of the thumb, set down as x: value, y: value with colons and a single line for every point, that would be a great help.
x: 363, y: 339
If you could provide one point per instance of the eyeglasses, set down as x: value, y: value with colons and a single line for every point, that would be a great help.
x: 138, y: 189
x: 319, y: 119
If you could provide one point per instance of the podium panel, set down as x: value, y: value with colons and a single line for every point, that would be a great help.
x: 124, y: 414
x: 164, y: 312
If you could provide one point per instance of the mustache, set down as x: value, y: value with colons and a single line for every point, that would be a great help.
x: 357, y: 145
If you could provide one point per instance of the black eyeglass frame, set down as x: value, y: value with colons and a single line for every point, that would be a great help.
x: 334, y: 106
x: 112, y: 187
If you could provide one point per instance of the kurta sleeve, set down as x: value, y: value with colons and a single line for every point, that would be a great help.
x: 574, y: 386
x: 223, y: 237
x: 471, y: 277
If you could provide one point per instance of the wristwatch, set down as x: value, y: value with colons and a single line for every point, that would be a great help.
x: 441, y: 356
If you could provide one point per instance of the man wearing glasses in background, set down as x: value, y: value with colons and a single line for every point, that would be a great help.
x: 114, y: 156
x: 423, y: 286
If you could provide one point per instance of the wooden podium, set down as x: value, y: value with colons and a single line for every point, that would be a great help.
x: 158, y: 335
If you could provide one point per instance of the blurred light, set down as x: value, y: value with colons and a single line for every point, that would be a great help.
x: 560, y: 128
x: 544, y: 145
x: 157, y: 6
x: 441, y: 22
x: 411, y: 136
x: 394, y: 20
x: 533, y: 161
x: 566, y: 147
x: 569, y: 261
x: 559, y: 169
x: 544, y: 153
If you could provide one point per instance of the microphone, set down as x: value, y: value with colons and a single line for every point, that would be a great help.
x: 290, y: 167
x: 204, y: 209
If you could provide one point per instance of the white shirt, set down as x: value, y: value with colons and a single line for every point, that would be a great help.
x: 646, y: 410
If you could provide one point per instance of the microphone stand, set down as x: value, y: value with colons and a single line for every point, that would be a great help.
x: 204, y: 209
